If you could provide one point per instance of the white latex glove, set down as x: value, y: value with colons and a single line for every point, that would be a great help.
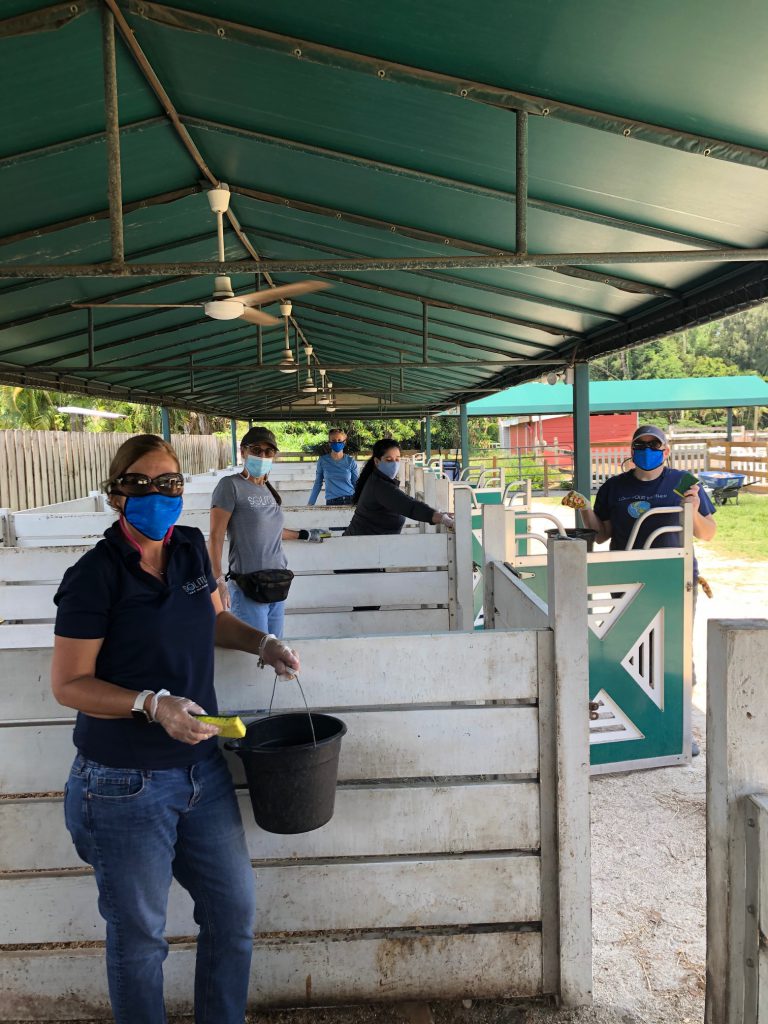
x: 173, y: 714
x: 226, y: 600
x: 280, y: 656
x: 447, y: 520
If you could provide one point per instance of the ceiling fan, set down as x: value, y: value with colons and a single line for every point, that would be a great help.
x: 224, y: 304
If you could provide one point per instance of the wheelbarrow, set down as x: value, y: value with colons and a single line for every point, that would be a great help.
x: 722, y: 485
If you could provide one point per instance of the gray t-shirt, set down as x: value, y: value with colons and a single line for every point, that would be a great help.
x: 255, y: 528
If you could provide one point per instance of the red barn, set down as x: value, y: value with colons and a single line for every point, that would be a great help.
x: 606, y: 430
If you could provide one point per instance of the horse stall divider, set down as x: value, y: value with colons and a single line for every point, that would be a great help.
x: 737, y: 832
x: 425, y: 586
x: 456, y: 865
x: 457, y: 861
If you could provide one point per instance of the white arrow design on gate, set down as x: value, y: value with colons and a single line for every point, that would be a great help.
x: 611, y: 725
x: 606, y: 605
x: 645, y: 660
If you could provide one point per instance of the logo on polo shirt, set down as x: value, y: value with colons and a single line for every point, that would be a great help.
x: 260, y: 500
x: 195, y: 586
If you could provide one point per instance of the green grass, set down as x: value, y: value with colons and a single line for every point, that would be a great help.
x: 742, y: 530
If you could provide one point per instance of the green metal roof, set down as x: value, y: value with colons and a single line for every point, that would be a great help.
x: 627, y: 396
x: 376, y: 144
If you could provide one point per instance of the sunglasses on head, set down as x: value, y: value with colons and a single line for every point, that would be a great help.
x: 640, y: 446
x: 134, y: 484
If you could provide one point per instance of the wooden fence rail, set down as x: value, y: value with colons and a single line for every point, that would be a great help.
x: 41, y: 467
x: 740, y: 457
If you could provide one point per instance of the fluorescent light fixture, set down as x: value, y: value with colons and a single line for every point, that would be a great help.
x: 101, y: 413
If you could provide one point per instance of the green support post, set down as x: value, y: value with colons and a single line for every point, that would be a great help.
x: 233, y: 428
x: 428, y: 438
x: 729, y: 425
x: 582, y: 456
x: 464, y: 435
x: 165, y: 423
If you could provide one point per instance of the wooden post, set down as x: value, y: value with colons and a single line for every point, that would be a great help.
x: 546, y: 479
x: 498, y: 546
x: 565, y: 812
x: 6, y: 526
x: 464, y: 613
x: 444, y: 500
x: 737, y: 766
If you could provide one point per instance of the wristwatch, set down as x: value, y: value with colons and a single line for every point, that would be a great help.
x: 138, y: 711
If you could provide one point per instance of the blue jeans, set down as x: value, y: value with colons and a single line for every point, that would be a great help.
x: 138, y: 829
x: 269, y: 618
x: 345, y: 500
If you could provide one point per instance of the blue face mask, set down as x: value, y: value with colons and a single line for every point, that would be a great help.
x: 258, y: 466
x: 152, y: 514
x: 647, y: 458
x: 389, y: 469
x: 337, y: 446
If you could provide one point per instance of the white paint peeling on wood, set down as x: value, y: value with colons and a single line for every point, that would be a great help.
x: 304, y: 897
x: 442, y: 667
x: 379, y: 744
x: 737, y: 766
x: 311, y: 971
x: 368, y: 821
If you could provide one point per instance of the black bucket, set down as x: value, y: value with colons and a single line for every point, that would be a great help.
x: 577, y: 533
x: 291, y: 779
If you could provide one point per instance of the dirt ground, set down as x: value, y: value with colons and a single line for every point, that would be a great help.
x: 648, y: 871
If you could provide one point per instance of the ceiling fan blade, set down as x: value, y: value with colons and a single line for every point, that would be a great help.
x: 136, y: 305
x: 255, y: 316
x: 284, y: 291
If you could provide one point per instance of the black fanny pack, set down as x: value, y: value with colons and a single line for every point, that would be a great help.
x: 265, y: 586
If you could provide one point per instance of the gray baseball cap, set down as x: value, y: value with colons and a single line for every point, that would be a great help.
x: 259, y: 434
x: 652, y: 431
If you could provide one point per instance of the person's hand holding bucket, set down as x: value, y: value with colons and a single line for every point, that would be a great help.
x: 280, y: 656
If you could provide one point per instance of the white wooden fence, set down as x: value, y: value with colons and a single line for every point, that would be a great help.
x: 41, y: 467
x: 737, y: 822
x: 611, y: 461
x: 426, y: 585
x: 456, y: 864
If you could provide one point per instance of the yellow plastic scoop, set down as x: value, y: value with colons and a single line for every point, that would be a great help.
x: 230, y: 726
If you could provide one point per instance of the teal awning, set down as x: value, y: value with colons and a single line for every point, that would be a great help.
x: 627, y: 396
x: 491, y: 190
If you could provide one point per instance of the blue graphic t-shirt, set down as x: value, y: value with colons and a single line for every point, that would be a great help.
x: 622, y: 499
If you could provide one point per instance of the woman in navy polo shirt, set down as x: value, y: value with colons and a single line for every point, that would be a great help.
x: 149, y: 797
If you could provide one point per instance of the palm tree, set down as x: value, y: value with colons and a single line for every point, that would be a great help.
x: 36, y: 409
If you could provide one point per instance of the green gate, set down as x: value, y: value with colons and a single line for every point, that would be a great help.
x: 640, y: 657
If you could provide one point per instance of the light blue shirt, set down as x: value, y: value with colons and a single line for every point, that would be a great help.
x: 340, y: 476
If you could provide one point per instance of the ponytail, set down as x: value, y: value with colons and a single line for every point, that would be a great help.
x: 272, y: 491
x: 378, y: 451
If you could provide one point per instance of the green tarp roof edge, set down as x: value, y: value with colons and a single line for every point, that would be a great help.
x: 627, y: 396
